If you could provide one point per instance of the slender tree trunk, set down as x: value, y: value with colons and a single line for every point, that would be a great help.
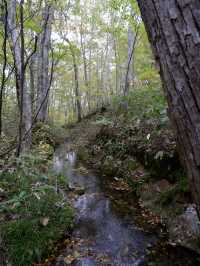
x: 76, y: 83
x: 32, y: 71
x: 116, y: 66
x: 43, y: 62
x: 23, y: 94
x: 89, y: 81
x: 4, y: 49
x: 85, y: 67
x: 173, y: 28
x: 129, y: 79
x: 14, y: 35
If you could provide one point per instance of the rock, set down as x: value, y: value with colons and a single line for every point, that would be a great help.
x: 80, y: 191
x: 84, y: 262
x: 161, y: 186
x: 185, y: 229
x: 60, y: 261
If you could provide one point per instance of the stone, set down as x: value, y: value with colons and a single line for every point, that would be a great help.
x: 185, y: 228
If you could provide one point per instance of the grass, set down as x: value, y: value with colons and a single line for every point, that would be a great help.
x: 34, y: 214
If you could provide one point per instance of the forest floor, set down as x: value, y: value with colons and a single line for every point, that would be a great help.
x: 136, y: 160
x: 139, y: 158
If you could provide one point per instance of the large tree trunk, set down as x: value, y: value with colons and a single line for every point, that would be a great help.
x: 43, y: 63
x: 173, y: 28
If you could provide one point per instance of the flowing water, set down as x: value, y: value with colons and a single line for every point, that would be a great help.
x: 101, y: 236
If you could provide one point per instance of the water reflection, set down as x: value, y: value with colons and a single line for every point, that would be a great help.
x: 103, y: 234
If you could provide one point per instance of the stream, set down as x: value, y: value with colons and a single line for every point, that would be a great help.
x: 106, y: 235
x: 101, y: 235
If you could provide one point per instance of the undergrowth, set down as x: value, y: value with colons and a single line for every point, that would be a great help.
x: 33, y: 214
x: 49, y: 134
x: 143, y: 103
x: 170, y: 195
x: 138, y: 130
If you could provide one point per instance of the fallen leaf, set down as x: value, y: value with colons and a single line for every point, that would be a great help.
x: 44, y: 221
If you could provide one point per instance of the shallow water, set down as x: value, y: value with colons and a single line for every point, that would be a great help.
x: 101, y: 235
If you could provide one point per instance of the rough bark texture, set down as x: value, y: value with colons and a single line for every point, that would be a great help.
x: 173, y: 27
x: 43, y: 63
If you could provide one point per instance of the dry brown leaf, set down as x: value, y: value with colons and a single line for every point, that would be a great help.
x: 44, y: 221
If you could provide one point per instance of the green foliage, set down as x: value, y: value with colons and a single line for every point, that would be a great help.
x: 33, y: 25
x: 170, y: 195
x: 143, y: 103
x: 104, y: 121
x: 49, y: 133
x: 36, y: 214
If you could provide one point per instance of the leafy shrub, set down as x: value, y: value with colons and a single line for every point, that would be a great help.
x: 48, y: 133
x: 144, y: 103
x: 35, y: 214
x: 180, y: 188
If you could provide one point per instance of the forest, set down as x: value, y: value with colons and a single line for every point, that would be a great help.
x: 99, y: 132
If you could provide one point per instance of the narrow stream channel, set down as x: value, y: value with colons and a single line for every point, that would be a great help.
x: 101, y: 236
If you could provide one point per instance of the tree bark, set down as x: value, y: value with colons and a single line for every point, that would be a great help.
x: 23, y: 94
x: 173, y: 28
x: 83, y: 50
x: 116, y: 65
x: 130, y: 59
x: 4, y: 49
x: 43, y: 62
x: 76, y: 81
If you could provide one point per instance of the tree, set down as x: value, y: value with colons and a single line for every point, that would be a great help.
x: 17, y: 37
x: 76, y: 80
x: 4, y: 49
x: 173, y: 29
x: 43, y: 62
x: 132, y: 39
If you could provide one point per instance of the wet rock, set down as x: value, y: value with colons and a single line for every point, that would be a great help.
x: 84, y: 262
x: 185, y: 229
x: 141, y: 262
x: 60, y: 261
